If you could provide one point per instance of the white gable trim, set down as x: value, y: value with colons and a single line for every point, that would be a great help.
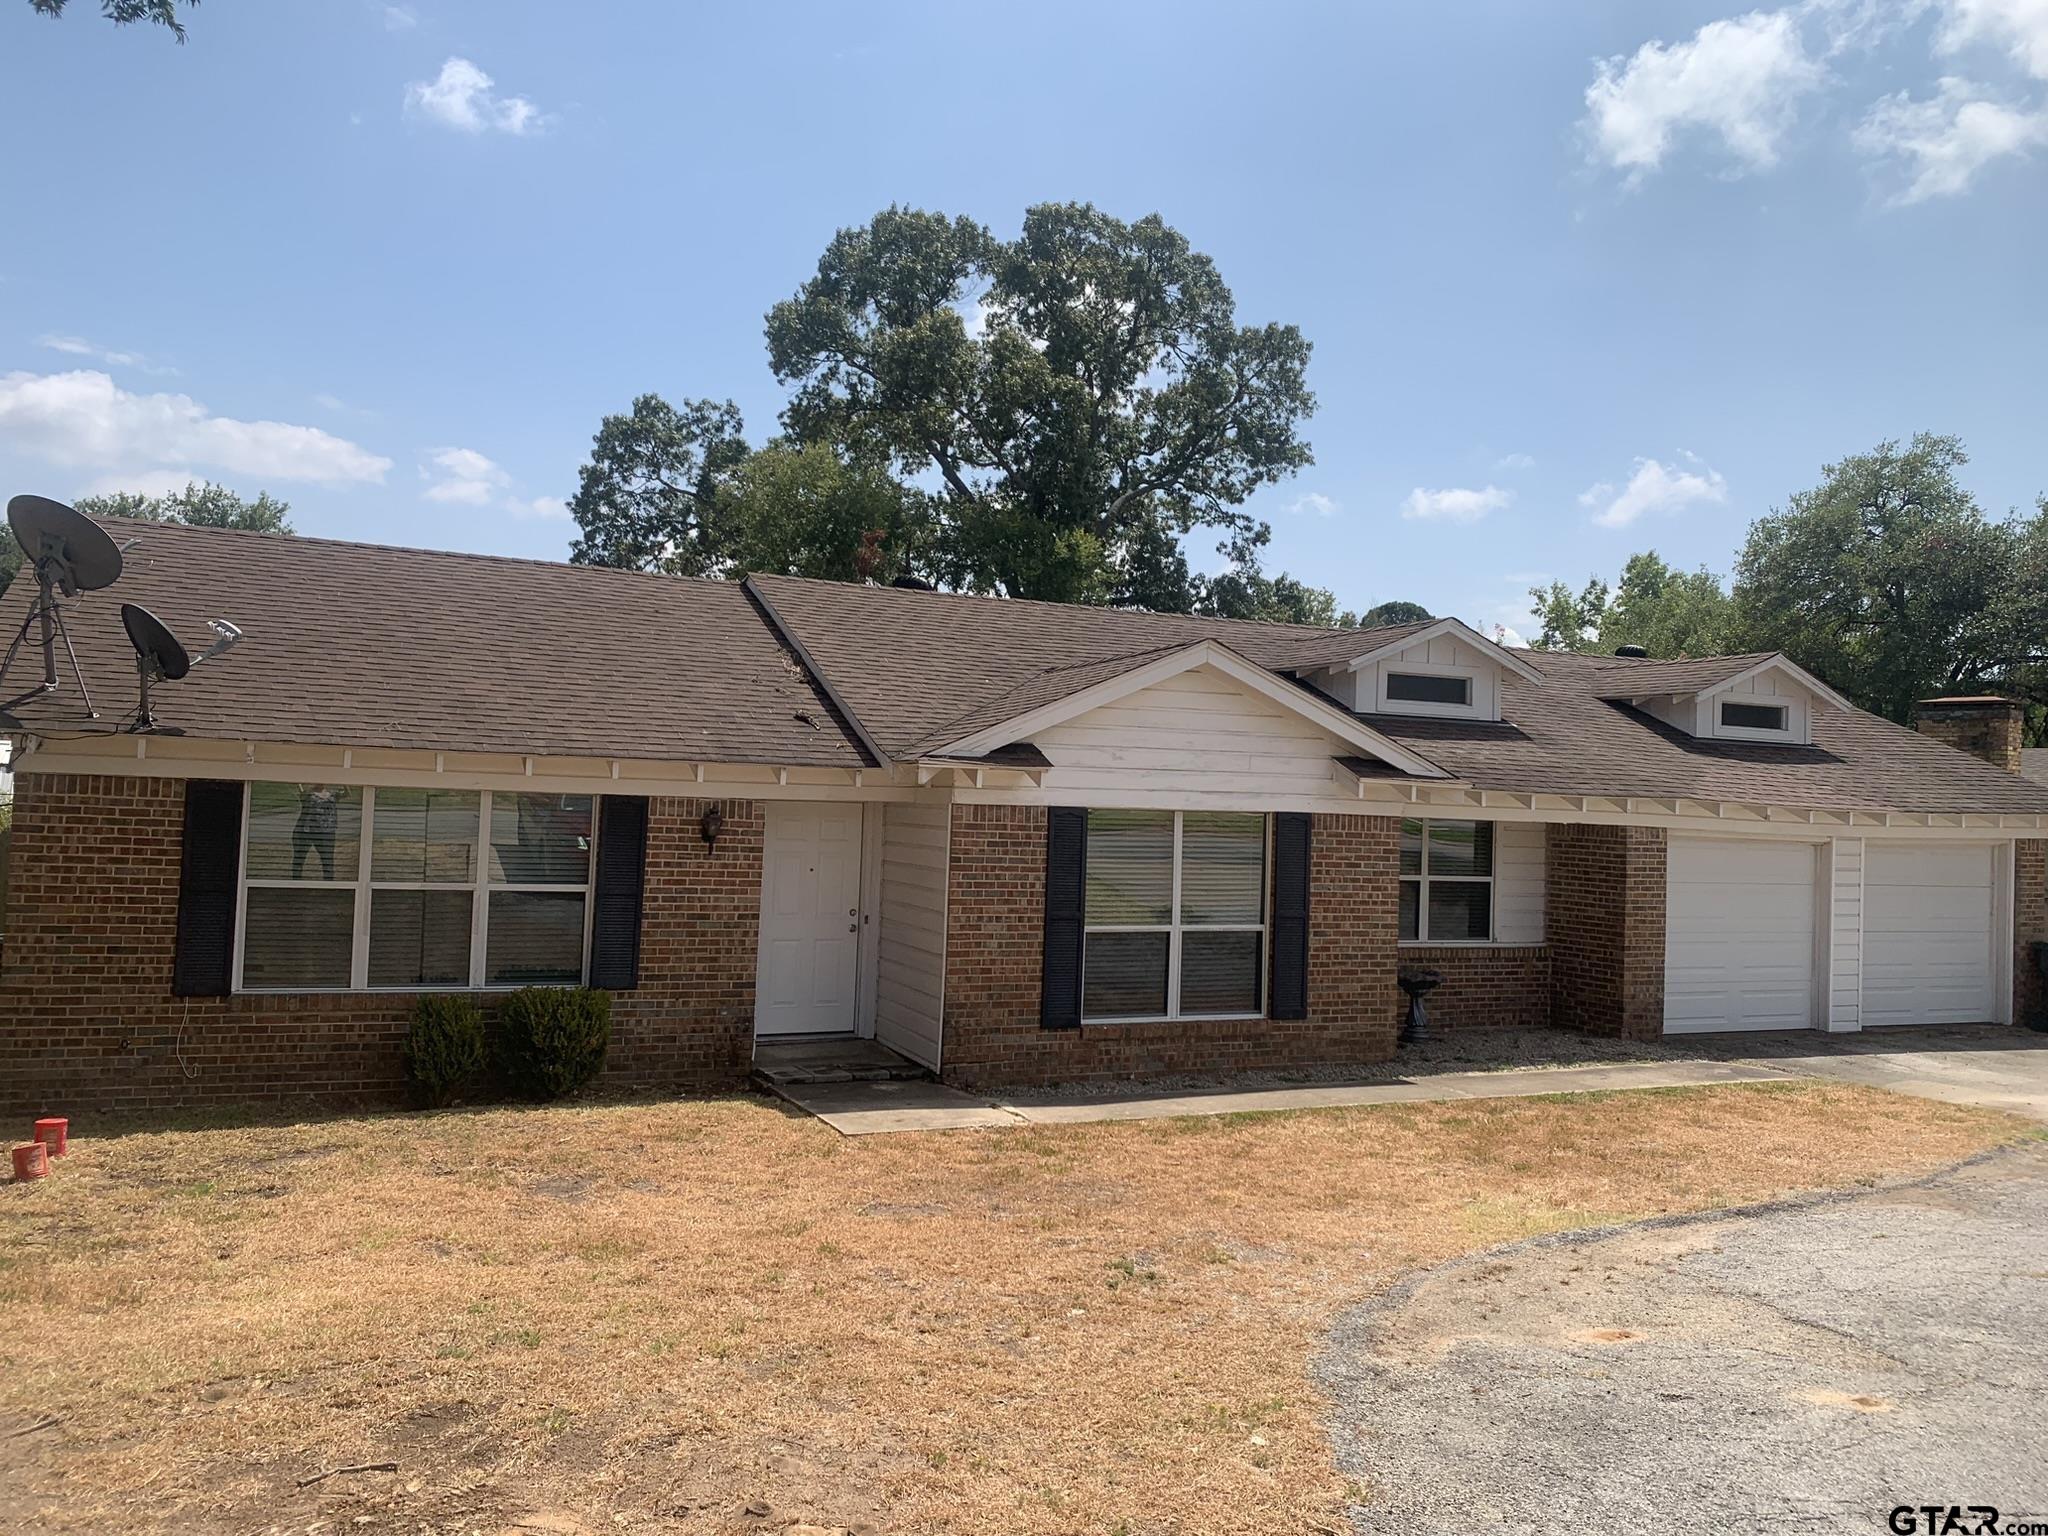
x: 1454, y: 627
x: 1784, y: 664
x: 1204, y: 653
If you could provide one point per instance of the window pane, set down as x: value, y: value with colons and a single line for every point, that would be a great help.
x: 1428, y: 688
x: 303, y: 938
x: 1753, y: 717
x: 1124, y: 975
x: 1411, y: 847
x: 535, y: 937
x: 1411, y: 906
x: 540, y: 840
x: 424, y: 834
x: 1222, y: 867
x: 1219, y: 972
x: 1130, y: 867
x: 418, y: 938
x: 1460, y: 909
x: 1460, y: 848
x: 304, y: 831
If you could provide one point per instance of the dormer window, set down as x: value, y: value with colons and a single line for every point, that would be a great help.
x: 1754, y: 717
x: 1428, y: 688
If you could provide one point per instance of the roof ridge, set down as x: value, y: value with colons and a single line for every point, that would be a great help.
x: 1152, y: 613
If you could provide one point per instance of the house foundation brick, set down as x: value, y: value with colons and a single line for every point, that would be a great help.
x: 1485, y: 986
x: 88, y: 1022
x: 2030, y: 927
x: 995, y: 922
x: 1604, y: 919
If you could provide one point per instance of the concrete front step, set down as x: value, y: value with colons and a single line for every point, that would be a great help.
x: 803, y: 1063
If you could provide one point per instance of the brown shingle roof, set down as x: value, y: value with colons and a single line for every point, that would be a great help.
x: 924, y: 668
x: 1564, y: 738
x: 2034, y: 764
x: 1622, y: 678
x: 365, y: 645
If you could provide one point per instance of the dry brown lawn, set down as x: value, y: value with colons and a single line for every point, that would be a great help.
x: 713, y: 1316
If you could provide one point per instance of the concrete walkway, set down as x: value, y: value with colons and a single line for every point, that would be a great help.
x: 869, y: 1109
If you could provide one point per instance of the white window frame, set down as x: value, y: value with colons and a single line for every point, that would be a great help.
x: 1423, y: 879
x: 1174, y: 929
x: 1384, y: 704
x: 480, y: 886
x: 1722, y: 727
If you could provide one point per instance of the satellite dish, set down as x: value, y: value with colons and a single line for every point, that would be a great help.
x: 161, y: 657
x: 83, y: 556
x: 70, y: 554
x: 156, y: 648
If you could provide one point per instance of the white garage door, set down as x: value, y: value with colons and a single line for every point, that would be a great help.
x: 1929, y: 913
x: 1739, y: 941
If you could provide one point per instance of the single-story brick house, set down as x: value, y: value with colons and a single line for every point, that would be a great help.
x: 1016, y: 842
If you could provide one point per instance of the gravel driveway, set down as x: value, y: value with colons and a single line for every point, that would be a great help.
x: 1799, y: 1367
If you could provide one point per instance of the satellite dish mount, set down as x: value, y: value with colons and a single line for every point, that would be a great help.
x: 70, y: 554
x: 159, y: 655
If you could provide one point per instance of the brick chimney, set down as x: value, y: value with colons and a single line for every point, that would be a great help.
x: 1984, y: 725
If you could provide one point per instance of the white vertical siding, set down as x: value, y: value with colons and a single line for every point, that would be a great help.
x: 1518, y: 882
x: 1845, y: 935
x: 911, y: 955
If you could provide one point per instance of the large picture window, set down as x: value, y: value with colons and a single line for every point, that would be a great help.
x: 1176, y: 915
x: 351, y: 888
x: 1446, y: 882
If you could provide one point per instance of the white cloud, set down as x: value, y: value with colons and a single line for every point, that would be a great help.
x: 85, y: 418
x: 78, y: 346
x: 460, y: 97
x: 1654, y: 488
x: 1509, y: 636
x: 1739, y: 80
x: 463, y: 476
x: 398, y: 18
x: 1454, y: 505
x: 2020, y: 27
x: 1314, y: 504
x: 1515, y: 461
x: 1942, y: 143
x: 148, y: 482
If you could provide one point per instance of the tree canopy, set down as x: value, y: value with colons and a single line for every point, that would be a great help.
x: 164, y: 13
x: 201, y: 504
x: 1668, y: 612
x: 1076, y: 393
x: 1045, y: 417
x: 1395, y: 613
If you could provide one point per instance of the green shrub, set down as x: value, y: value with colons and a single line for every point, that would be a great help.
x: 444, y: 1047
x: 551, y: 1040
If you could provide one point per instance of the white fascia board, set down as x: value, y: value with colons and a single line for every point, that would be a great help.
x: 1462, y: 631
x: 1781, y: 663
x: 1203, y: 653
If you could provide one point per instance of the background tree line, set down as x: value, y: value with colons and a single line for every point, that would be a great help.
x: 1887, y: 579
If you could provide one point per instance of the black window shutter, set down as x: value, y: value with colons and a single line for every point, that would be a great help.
x: 1066, y: 876
x: 209, y: 864
x: 621, y: 879
x: 1290, y: 916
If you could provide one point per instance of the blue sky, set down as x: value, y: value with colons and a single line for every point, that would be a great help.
x: 1581, y: 278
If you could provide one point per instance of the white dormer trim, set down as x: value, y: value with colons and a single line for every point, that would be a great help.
x: 1698, y: 712
x: 1454, y: 627
x: 1203, y: 653
x: 1781, y: 663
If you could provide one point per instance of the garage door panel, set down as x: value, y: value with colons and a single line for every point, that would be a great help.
x: 1739, y: 943
x: 1929, y: 914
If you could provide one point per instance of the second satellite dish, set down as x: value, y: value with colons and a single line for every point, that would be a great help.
x: 161, y: 657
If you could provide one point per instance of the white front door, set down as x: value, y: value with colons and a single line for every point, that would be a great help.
x: 808, y: 982
x: 1929, y: 915
x: 1739, y: 940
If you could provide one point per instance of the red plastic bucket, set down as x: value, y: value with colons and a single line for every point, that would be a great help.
x: 31, y: 1161
x: 54, y: 1133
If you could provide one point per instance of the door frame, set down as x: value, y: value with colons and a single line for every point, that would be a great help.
x: 867, y: 850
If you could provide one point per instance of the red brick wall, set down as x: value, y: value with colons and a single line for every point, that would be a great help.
x: 2030, y: 926
x: 1990, y: 728
x: 1604, y: 919
x: 1485, y: 986
x: 87, y: 1021
x: 995, y: 935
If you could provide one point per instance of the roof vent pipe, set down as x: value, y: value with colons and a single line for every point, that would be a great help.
x: 1635, y: 652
